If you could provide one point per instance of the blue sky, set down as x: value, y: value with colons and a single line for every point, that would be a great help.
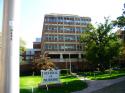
x: 33, y: 11
x: 1, y: 9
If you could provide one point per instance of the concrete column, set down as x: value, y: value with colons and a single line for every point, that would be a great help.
x: 80, y: 56
x: 61, y: 56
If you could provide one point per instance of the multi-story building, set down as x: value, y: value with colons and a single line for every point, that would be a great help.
x: 37, y: 48
x: 27, y: 57
x: 121, y: 35
x: 61, y: 39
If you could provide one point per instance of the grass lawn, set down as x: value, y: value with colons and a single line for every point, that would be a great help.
x: 69, y: 84
x: 105, y: 75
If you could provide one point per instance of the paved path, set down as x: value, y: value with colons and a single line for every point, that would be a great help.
x: 94, y: 85
x: 115, y: 88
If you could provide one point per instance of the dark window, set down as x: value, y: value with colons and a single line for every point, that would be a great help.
x: 65, y: 55
x: 53, y: 56
x: 74, y: 56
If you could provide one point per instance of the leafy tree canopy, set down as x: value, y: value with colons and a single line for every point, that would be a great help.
x: 101, y: 44
x: 22, y: 45
x: 120, y: 21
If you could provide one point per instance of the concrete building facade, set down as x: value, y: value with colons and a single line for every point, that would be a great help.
x: 61, y: 39
x: 121, y: 35
x: 37, y: 48
x: 27, y: 57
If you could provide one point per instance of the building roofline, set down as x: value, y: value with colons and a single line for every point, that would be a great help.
x: 58, y: 14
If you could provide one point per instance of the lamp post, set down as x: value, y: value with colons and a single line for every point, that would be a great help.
x: 10, y: 47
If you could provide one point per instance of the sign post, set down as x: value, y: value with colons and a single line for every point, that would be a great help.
x: 50, y: 77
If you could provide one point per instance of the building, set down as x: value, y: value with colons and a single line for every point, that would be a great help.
x: 37, y: 48
x: 61, y: 39
x: 27, y: 57
x: 121, y: 34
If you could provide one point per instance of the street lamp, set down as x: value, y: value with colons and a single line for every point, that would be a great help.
x: 10, y: 47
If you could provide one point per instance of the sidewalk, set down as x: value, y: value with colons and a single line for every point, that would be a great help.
x: 94, y: 85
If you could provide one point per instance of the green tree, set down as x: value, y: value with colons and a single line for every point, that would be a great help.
x: 100, y: 44
x: 120, y: 21
x: 22, y: 45
x: 22, y: 48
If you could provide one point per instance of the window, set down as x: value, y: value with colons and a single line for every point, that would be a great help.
x: 60, y: 19
x: 60, y: 29
x: 69, y: 37
x: 46, y: 47
x: 52, y: 19
x: 55, y: 37
x: 78, y: 37
x: 61, y: 47
x: 70, y: 47
x: 61, y: 37
x: 79, y: 47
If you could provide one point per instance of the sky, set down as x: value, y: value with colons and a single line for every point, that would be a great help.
x: 33, y: 11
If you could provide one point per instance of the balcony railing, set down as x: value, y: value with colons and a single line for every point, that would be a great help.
x: 67, y: 60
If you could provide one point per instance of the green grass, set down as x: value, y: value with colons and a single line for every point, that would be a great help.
x: 29, y: 81
x: 105, y: 76
x: 69, y: 84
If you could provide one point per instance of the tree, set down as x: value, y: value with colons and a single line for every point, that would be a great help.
x: 101, y: 45
x: 43, y: 63
x: 22, y: 45
x: 22, y: 48
x: 120, y: 21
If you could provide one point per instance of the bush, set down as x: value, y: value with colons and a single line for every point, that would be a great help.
x: 64, y: 71
x: 26, y: 69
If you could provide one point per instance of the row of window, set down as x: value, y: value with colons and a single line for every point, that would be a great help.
x: 61, y: 47
x: 62, y: 37
x: 61, y: 28
x: 66, y: 19
x: 64, y: 56
x: 69, y: 22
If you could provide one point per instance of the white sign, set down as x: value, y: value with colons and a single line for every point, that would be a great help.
x: 50, y: 76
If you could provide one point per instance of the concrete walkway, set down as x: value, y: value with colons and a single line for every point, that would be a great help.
x: 94, y: 85
x: 115, y: 88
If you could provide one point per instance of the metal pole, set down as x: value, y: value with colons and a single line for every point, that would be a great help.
x: 70, y: 64
x: 10, y: 47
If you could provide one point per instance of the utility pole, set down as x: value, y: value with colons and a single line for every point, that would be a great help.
x: 10, y: 47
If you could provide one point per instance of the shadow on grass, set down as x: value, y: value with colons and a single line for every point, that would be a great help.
x: 72, y: 86
x: 112, y: 77
x: 64, y: 77
x: 106, y: 76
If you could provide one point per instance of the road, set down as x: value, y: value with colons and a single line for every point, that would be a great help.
x: 115, y: 88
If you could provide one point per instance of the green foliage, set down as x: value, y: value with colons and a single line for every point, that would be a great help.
x: 22, y: 45
x: 119, y: 22
x: 22, y: 49
x: 101, y: 45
